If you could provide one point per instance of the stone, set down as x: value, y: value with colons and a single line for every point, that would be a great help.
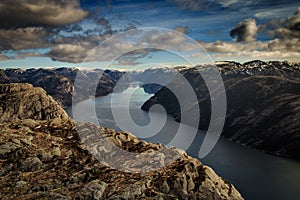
x: 7, y: 148
x: 56, y: 152
x: 31, y: 164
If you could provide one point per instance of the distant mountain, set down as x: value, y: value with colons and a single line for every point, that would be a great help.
x: 151, y: 77
x: 43, y: 157
x: 263, y: 104
x: 59, y: 83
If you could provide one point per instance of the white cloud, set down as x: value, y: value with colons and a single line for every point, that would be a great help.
x: 270, y: 50
x: 230, y: 47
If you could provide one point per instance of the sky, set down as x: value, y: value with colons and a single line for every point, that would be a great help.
x: 126, y: 34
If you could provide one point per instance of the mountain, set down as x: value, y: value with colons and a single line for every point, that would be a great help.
x: 150, y: 78
x: 263, y: 104
x: 48, y: 159
x: 59, y: 82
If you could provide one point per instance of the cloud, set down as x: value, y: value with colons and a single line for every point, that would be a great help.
x: 245, y: 31
x: 291, y: 27
x: 227, y: 3
x: 23, y: 13
x: 75, y: 49
x: 21, y: 55
x: 74, y: 53
x: 103, y: 22
x: 261, y: 55
x: 190, y: 4
x: 267, y: 13
x: 130, y: 61
x: 276, y: 49
x: 292, y: 44
x: 182, y: 29
x: 229, y: 47
x: 31, y: 24
x: 3, y: 57
x: 71, y: 28
x: 24, y: 38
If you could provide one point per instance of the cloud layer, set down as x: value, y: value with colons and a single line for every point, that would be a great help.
x: 26, y: 26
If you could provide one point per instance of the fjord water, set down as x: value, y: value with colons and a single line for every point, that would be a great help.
x: 255, y: 174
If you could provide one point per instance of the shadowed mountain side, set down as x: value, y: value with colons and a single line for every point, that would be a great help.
x: 263, y: 104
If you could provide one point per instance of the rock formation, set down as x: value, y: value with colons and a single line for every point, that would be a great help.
x: 22, y: 101
x: 263, y: 101
x: 46, y: 159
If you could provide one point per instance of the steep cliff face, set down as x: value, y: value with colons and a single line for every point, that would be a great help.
x: 263, y: 101
x: 47, y: 159
x: 23, y: 101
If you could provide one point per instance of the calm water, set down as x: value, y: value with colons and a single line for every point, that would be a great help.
x: 255, y: 174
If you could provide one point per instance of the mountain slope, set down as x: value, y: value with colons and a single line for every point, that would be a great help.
x: 263, y: 104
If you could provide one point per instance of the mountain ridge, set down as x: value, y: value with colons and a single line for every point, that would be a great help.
x: 262, y: 104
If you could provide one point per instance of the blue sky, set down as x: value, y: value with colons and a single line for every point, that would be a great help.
x: 54, y: 33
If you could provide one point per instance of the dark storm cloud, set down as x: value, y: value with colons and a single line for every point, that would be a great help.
x: 23, y: 13
x: 245, y: 31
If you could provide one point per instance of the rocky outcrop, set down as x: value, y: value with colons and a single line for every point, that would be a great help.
x: 23, y: 101
x: 46, y: 159
x: 49, y: 159
x: 263, y: 101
